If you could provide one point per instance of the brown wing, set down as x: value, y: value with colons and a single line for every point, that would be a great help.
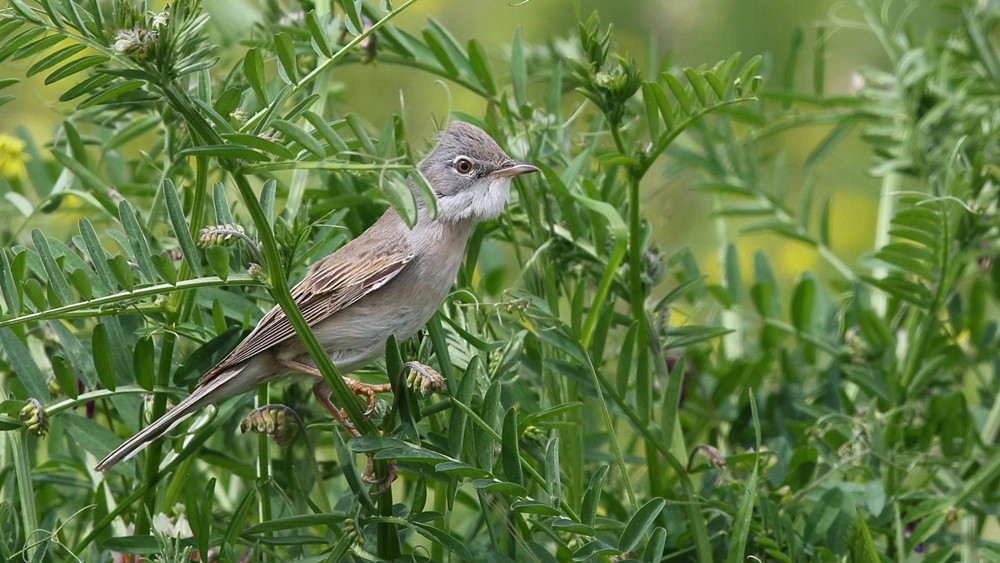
x: 335, y: 282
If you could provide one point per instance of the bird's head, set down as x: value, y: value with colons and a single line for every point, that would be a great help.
x: 470, y: 174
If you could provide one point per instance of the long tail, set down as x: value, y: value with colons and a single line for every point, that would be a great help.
x: 212, y: 392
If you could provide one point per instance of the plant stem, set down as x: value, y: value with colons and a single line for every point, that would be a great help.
x: 263, y: 463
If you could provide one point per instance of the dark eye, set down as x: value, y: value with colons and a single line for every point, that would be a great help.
x: 463, y: 165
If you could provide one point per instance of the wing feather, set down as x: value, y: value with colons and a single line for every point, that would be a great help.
x: 334, y: 283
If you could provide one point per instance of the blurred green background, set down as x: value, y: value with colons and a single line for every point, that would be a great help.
x: 687, y: 32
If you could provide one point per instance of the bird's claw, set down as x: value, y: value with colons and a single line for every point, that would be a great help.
x: 368, y: 391
x: 385, y: 481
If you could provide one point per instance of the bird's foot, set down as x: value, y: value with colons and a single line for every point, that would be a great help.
x: 385, y: 481
x: 368, y: 390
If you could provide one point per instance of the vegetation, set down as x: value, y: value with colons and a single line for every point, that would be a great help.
x: 603, y: 399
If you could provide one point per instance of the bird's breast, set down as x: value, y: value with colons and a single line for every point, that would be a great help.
x: 356, y: 335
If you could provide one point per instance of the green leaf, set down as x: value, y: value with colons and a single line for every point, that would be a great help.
x: 98, y: 256
x: 52, y: 269
x: 19, y: 41
x: 500, y: 487
x: 287, y: 66
x: 715, y: 84
x: 8, y: 286
x: 462, y: 470
x: 592, y: 497
x: 244, y: 140
x: 480, y: 63
x: 327, y: 132
x: 355, y: 25
x: 218, y: 261
x: 652, y: 114
x: 181, y: 230
x: 238, y: 520
x: 300, y: 136
x: 677, y: 89
x: 38, y: 46
x: 412, y: 454
x: 86, y: 86
x: 65, y: 376
x: 594, y: 549
x: 481, y: 439
x: 90, y: 181
x: 654, y: 549
x: 103, y: 362
x: 109, y: 94
x: 359, y: 130
x: 457, y: 422
x: 24, y: 366
x: 52, y: 59
x: 510, y: 450
x: 226, y: 152
x: 860, y: 544
x: 803, y: 299
x: 733, y: 276
x: 142, y: 363
x: 137, y: 241
x: 317, y: 31
x: 400, y: 196
x: 444, y: 539
x: 267, y: 193
x: 553, y: 481
x: 36, y: 293
x: 531, y: 506
x: 640, y: 522
x: 253, y: 69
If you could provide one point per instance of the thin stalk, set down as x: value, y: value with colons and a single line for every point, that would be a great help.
x: 263, y: 464
x: 637, y: 301
x: 104, y: 305
x: 387, y: 544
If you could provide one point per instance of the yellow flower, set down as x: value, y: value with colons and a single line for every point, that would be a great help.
x: 12, y: 157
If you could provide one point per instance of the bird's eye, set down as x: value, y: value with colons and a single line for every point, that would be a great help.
x: 463, y: 165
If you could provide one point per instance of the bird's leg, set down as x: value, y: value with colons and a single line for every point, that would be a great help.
x: 369, y: 390
x: 321, y: 390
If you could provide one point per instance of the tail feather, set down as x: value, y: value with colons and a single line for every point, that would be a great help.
x: 203, y: 396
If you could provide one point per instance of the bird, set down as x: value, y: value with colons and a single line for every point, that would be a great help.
x: 388, y: 281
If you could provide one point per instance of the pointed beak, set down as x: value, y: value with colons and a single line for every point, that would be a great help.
x: 515, y: 169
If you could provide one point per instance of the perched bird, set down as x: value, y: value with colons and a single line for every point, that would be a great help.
x: 387, y: 281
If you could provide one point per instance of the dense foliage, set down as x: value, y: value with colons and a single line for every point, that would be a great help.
x: 604, y: 399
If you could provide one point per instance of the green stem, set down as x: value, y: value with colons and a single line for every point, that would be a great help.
x: 102, y: 305
x: 263, y: 464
